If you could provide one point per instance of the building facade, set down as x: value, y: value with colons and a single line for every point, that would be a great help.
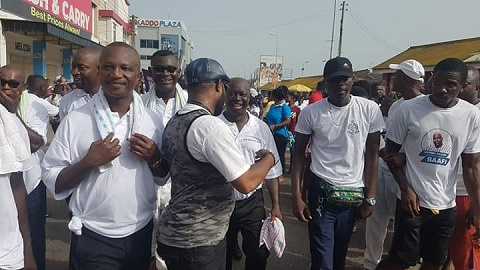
x: 152, y: 35
x: 41, y: 36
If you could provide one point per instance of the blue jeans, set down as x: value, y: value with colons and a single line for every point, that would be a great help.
x: 329, y: 230
x: 37, y: 210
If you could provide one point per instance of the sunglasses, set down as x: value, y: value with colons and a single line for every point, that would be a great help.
x: 161, y: 69
x: 11, y: 83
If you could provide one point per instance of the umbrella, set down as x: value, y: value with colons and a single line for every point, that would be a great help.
x: 299, y: 88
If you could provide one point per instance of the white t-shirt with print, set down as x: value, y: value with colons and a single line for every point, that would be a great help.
x: 339, y: 136
x: 255, y: 135
x: 433, y: 139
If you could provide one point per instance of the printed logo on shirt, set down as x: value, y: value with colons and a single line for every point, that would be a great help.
x: 352, y: 128
x: 436, y: 147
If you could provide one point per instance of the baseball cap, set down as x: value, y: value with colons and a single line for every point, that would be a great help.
x: 338, y: 66
x: 204, y: 70
x: 411, y: 68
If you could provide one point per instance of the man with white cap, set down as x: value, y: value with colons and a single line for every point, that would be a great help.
x: 426, y: 209
x: 408, y: 82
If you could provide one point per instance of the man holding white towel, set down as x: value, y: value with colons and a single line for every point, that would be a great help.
x: 101, y: 155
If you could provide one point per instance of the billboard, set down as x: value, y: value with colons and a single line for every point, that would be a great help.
x: 74, y: 16
x: 169, y: 42
x: 270, y: 70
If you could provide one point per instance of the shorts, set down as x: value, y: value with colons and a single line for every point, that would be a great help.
x: 426, y: 235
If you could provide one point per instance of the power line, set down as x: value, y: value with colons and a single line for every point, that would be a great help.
x: 252, y: 30
x: 371, y: 33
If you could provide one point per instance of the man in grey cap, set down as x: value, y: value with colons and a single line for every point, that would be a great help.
x: 205, y: 164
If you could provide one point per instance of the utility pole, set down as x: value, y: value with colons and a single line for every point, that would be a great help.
x: 333, y: 28
x: 133, y: 26
x: 341, y: 30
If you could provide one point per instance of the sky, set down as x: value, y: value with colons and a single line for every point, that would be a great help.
x: 236, y: 33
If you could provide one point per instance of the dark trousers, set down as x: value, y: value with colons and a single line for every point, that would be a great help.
x: 329, y: 230
x: 196, y: 258
x: 92, y: 251
x: 281, y: 144
x: 247, y: 217
x: 37, y: 210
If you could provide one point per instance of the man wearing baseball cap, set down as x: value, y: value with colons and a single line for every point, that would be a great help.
x: 345, y: 132
x: 408, y: 82
x: 205, y: 164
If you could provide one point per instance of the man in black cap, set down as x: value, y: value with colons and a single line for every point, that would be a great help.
x: 205, y: 164
x: 345, y: 133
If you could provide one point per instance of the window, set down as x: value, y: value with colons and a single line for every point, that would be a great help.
x: 149, y: 43
x: 145, y: 57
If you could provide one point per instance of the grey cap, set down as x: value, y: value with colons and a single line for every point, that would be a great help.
x: 204, y: 70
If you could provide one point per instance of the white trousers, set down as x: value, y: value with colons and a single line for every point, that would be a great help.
x: 383, y: 211
x: 163, y: 197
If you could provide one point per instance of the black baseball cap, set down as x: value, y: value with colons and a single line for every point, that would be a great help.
x: 338, y: 66
x: 203, y: 70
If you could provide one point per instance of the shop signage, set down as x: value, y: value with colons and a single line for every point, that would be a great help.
x: 158, y: 23
x: 19, y: 46
x: 74, y: 16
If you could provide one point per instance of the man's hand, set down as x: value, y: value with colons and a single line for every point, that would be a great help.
x: 262, y: 153
x: 276, y: 213
x: 300, y: 210
x: 364, y: 210
x: 395, y: 160
x: 272, y: 128
x: 29, y: 261
x: 410, y: 202
x: 102, y: 151
x: 9, y: 103
x: 144, y: 148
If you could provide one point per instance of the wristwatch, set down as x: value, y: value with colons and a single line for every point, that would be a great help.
x: 371, y: 201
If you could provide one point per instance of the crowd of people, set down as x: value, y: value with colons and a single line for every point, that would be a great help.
x: 167, y: 179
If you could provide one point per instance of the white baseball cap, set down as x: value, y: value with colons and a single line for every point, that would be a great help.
x: 411, y: 68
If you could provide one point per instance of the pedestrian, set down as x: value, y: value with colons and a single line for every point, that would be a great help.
x: 15, y: 246
x: 251, y: 135
x: 345, y: 132
x: 433, y: 131
x: 278, y: 118
x: 317, y: 95
x: 408, y: 82
x: 165, y: 98
x: 34, y: 116
x: 205, y: 164
x: 462, y: 251
x: 85, y: 72
x: 102, y: 156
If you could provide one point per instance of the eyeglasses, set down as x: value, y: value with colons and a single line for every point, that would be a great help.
x: 11, y: 83
x: 161, y: 69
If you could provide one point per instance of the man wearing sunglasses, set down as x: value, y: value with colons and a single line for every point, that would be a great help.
x: 86, y: 78
x: 34, y: 116
x: 205, y: 164
x: 165, y: 98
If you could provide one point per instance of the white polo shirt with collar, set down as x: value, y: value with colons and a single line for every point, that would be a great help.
x: 72, y: 101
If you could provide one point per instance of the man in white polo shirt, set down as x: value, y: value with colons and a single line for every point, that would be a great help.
x: 251, y: 135
x: 85, y: 70
x: 345, y: 132
x: 101, y: 155
x: 425, y: 216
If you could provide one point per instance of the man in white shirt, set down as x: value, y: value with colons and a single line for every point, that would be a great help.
x: 37, y: 85
x: 205, y: 164
x: 34, y: 116
x: 251, y: 134
x: 15, y: 245
x: 165, y: 98
x: 85, y: 72
x: 101, y: 155
x: 408, y: 82
x: 461, y: 251
x: 345, y: 132
x: 425, y: 216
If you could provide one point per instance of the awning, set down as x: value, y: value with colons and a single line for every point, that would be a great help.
x: 47, y: 32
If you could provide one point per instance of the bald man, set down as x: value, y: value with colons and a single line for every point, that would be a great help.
x: 102, y: 156
x: 85, y: 68
x: 251, y: 134
x: 34, y: 116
